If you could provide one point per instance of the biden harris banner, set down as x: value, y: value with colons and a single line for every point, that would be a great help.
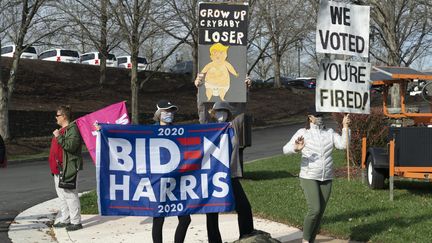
x: 163, y: 171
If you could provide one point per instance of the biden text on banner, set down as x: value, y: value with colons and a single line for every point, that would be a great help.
x: 162, y: 171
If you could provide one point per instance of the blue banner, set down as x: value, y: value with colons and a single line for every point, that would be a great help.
x: 163, y: 171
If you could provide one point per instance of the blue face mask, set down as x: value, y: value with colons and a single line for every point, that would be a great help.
x: 167, y: 117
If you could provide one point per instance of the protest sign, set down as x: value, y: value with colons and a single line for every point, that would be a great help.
x: 163, y: 171
x: 343, y: 86
x: 114, y: 114
x: 343, y: 29
x: 222, y: 51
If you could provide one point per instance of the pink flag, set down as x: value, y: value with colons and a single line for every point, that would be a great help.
x: 113, y: 114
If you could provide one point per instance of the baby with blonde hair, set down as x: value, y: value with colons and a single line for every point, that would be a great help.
x: 217, y: 72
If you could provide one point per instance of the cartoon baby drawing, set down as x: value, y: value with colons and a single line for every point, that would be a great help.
x: 217, y: 72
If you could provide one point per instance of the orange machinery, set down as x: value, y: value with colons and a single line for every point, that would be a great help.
x: 409, y: 151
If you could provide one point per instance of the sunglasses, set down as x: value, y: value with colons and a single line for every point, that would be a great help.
x: 57, y: 115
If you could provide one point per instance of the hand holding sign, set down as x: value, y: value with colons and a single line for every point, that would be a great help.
x: 199, y: 80
x: 346, y: 121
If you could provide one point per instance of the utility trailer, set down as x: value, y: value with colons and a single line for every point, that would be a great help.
x: 409, y: 150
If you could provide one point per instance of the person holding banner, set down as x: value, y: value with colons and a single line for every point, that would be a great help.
x: 316, y: 143
x: 164, y: 116
x: 65, y: 161
x: 222, y: 112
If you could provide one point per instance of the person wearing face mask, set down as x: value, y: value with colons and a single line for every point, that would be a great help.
x: 316, y: 144
x: 164, y: 116
x: 222, y: 112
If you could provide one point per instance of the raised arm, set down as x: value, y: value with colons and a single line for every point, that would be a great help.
x: 290, y: 147
x: 339, y: 141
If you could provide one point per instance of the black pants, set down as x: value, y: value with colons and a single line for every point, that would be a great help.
x: 180, y: 233
x: 244, y: 215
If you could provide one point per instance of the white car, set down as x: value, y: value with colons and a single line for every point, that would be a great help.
x: 29, y: 52
x: 60, y: 55
x: 93, y: 58
x: 125, y: 62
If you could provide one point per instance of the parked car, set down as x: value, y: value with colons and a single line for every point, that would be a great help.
x: 285, y: 82
x: 183, y: 67
x: 93, y: 58
x: 9, y: 50
x: 125, y: 62
x: 60, y: 55
x: 307, y: 82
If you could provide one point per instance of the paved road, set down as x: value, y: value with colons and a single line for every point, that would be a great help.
x: 23, y: 185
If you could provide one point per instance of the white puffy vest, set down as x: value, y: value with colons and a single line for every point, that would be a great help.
x: 317, y: 161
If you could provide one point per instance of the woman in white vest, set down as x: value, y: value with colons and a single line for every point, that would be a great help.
x: 316, y: 144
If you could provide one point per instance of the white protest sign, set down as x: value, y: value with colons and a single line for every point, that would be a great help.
x: 343, y: 86
x: 343, y: 29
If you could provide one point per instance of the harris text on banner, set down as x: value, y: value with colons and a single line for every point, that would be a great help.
x: 114, y: 114
x: 164, y: 170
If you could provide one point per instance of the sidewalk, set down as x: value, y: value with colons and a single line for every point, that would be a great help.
x: 31, y: 226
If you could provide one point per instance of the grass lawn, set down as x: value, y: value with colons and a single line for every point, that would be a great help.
x: 354, y: 211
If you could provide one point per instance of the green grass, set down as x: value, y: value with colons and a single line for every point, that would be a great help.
x: 89, y: 203
x: 354, y: 211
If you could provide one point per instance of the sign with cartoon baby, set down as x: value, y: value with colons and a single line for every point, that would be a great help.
x: 222, y: 51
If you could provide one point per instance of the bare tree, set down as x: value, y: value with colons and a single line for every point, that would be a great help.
x: 95, y: 23
x: 402, y: 32
x: 284, y: 34
x: 183, y: 19
x: 134, y: 19
x: 28, y: 25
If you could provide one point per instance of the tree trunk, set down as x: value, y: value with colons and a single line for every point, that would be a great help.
x: 4, y: 111
x: 102, y: 71
x: 276, y: 63
x: 195, y: 69
x: 134, y: 88
x: 103, y: 42
x: 394, y: 60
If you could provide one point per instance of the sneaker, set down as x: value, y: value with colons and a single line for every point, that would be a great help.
x: 73, y: 227
x: 61, y: 225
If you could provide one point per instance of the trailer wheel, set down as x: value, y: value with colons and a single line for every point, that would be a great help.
x: 375, y: 178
